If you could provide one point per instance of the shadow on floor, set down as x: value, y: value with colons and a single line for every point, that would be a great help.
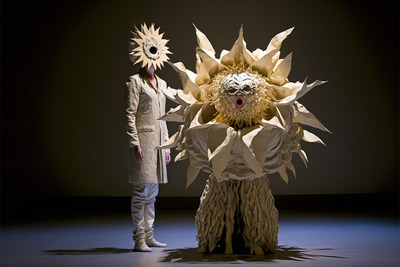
x: 89, y: 251
x: 282, y: 253
x: 192, y: 254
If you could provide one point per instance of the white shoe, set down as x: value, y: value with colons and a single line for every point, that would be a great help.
x: 154, y: 243
x: 140, y: 245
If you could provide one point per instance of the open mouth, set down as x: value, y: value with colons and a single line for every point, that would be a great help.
x: 239, y: 102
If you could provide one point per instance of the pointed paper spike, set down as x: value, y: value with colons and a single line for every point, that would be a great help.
x: 203, y: 42
x: 277, y: 40
x: 152, y: 28
x: 265, y: 64
x: 303, y: 116
x: 157, y: 31
x: 220, y: 157
x: 299, y: 93
x: 211, y: 64
x: 174, y: 114
x: 172, y: 142
x: 248, y: 154
x: 137, y: 49
x: 238, y: 54
x: 235, y: 54
x: 140, y: 59
x: 192, y: 173
x: 219, y: 134
x: 185, y: 99
x: 291, y: 167
x: 274, y: 122
x: 202, y: 74
x: 280, y: 118
x: 138, y: 41
x: 170, y: 93
x: 181, y: 156
x: 282, y: 71
x: 312, y: 138
x: 302, y: 155
x: 296, y: 91
x: 283, y: 174
x: 259, y: 145
x: 187, y: 83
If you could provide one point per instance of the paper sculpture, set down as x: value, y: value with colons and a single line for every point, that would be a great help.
x: 149, y: 47
x: 241, y: 121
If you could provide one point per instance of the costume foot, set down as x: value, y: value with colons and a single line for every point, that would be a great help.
x: 155, y: 243
x: 202, y: 249
x: 258, y: 251
x: 141, y: 246
x: 228, y: 250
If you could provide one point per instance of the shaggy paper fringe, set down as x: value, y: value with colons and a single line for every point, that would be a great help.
x: 220, y: 205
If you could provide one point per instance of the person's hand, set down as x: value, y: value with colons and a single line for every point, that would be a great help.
x: 138, y: 154
x: 167, y: 157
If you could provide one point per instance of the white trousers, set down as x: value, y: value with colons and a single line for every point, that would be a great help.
x: 142, y: 210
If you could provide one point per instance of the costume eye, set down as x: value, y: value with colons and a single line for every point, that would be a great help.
x: 246, y: 89
x: 153, y: 50
x: 231, y: 90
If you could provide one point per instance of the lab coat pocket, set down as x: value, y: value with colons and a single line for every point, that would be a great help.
x: 145, y: 128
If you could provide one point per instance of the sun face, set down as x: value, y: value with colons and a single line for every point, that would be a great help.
x: 240, y: 96
x: 149, y: 47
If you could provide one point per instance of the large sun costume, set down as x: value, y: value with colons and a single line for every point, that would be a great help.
x: 241, y: 121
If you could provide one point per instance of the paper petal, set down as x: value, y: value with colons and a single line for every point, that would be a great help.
x: 187, y: 83
x: 202, y: 74
x: 286, y: 90
x: 191, y: 175
x: 216, y: 135
x: 291, y: 167
x: 220, y: 157
x: 259, y: 145
x: 310, y: 137
x: 302, y: 155
x: 238, y: 53
x: 181, y: 156
x: 276, y: 42
x: 282, y: 71
x: 203, y: 42
x: 272, y: 123
x: 265, y: 64
x: 185, y: 99
x: 248, y: 146
x: 172, y: 142
x: 283, y: 174
x: 303, y: 116
x: 194, y: 117
x: 211, y: 64
x: 174, y: 114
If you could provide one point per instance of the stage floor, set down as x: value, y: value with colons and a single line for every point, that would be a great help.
x: 306, y: 238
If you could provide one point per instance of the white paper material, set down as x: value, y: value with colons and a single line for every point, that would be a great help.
x: 213, y: 136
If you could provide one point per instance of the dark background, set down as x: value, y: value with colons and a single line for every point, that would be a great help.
x: 64, y: 65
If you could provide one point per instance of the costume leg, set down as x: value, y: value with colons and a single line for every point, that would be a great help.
x: 149, y: 216
x: 231, y: 207
x: 149, y: 210
x: 140, y: 191
x: 260, y: 216
x: 210, y: 215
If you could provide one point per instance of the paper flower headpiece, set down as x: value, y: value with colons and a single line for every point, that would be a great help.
x: 241, y: 118
x: 149, y: 47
